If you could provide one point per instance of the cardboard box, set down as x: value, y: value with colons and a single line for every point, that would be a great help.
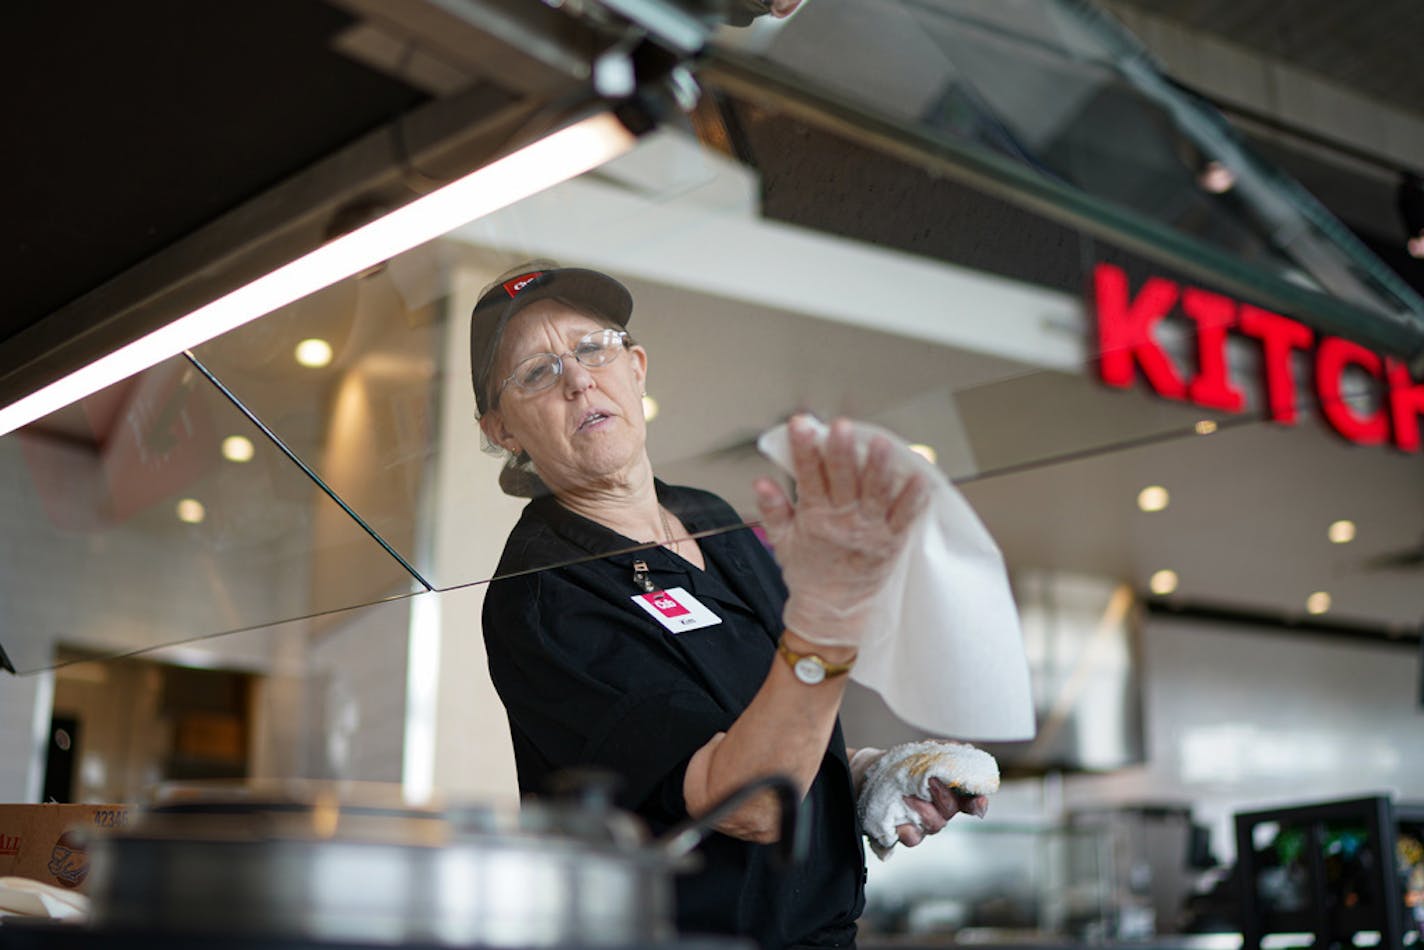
x: 48, y: 842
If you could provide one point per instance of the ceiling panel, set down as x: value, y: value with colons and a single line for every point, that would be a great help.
x: 1371, y: 46
x: 138, y: 123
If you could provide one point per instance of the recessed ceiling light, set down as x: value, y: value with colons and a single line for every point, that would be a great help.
x: 1341, y: 532
x: 650, y: 408
x: 1318, y: 602
x: 1163, y: 582
x: 1153, y: 498
x: 238, y: 448
x: 1206, y: 426
x: 314, y: 353
x: 191, y: 511
x: 1216, y: 178
x: 925, y: 452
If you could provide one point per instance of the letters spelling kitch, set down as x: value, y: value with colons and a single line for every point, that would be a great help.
x: 1126, y: 344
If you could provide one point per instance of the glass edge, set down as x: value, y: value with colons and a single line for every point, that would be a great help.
x: 306, y: 469
x: 234, y: 631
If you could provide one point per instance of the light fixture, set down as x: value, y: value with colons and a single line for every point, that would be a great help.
x: 570, y: 151
x: 1205, y: 426
x: 650, y: 408
x: 1341, y: 532
x: 926, y: 452
x: 1318, y: 602
x: 1153, y: 498
x: 238, y: 448
x: 191, y: 511
x: 313, y: 353
x: 1216, y: 178
x: 1163, y: 582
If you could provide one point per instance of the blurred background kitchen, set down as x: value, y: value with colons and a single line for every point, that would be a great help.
x: 263, y: 555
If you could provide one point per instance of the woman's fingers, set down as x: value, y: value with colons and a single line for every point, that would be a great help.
x: 931, y: 816
x: 912, y: 499
x: 909, y: 835
x: 878, y: 479
x: 930, y: 820
x: 842, y: 466
x: 806, y: 459
x: 976, y: 805
x: 776, y: 509
x: 832, y: 473
x: 944, y: 799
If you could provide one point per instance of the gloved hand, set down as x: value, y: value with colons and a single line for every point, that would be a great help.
x: 861, y: 761
x: 915, y: 788
x: 839, y: 542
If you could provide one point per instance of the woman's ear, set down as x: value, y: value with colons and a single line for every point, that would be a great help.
x: 640, y: 365
x: 492, y: 425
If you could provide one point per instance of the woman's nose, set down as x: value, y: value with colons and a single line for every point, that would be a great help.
x: 577, y: 377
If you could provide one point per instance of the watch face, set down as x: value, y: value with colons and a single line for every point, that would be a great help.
x: 809, y: 671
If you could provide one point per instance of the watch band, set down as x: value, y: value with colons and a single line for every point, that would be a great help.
x: 810, y: 668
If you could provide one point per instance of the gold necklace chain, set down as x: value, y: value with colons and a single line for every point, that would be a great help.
x: 667, y: 530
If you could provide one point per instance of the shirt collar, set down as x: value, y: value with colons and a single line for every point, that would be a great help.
x: 602, y: 542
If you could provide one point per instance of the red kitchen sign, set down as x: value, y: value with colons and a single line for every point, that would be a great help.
x: 1127, y: 345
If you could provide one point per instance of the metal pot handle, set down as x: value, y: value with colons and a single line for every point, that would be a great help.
x: 795, y: 833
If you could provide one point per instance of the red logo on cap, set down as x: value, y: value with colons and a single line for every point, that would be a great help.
x: 666, y: 604
x: 515, y: 284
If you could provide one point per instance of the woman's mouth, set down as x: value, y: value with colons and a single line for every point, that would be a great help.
x: 592, y: 420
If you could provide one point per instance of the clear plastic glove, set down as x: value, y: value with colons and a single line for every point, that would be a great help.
x: 915, y: 788
x: 838, y: 544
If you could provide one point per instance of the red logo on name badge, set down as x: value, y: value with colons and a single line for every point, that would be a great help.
x: 515, y: 284
x: 665, y: 603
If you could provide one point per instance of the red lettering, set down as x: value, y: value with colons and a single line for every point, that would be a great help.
x: 1126, y: 343
x: 1331, y: 358
x: 515, y: 284
x: 666, y: 604
x: 1214, y: 315
x: 1279, y: 336
x: 1406, y: 404
x: 1125, y: 331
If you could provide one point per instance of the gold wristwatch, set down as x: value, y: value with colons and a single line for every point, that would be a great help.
x: 810, y: 668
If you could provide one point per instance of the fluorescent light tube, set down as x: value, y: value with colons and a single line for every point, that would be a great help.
x: 555, y: 158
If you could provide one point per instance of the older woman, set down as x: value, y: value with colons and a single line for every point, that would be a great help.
x: 737, y: 671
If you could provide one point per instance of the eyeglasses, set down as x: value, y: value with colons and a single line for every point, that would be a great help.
x: 542, y: 370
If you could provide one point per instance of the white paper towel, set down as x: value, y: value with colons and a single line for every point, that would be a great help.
x: 22, y: 897
x: 948, y: 657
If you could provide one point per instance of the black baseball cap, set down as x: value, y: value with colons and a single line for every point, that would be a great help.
x: 590, y: 291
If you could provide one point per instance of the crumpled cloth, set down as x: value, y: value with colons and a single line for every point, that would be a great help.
x: 906, y: 770
x: 949, y: 655
x: 22, y: 897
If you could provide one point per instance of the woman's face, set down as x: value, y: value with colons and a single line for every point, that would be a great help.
x: 586, y: 432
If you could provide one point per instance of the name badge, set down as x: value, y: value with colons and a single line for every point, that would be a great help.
x: 676, y: 609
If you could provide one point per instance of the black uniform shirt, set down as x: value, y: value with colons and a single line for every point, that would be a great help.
x: 588, y: 678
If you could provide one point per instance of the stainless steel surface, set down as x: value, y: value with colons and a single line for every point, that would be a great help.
x: 553, y: 874
x: 506, y: 892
